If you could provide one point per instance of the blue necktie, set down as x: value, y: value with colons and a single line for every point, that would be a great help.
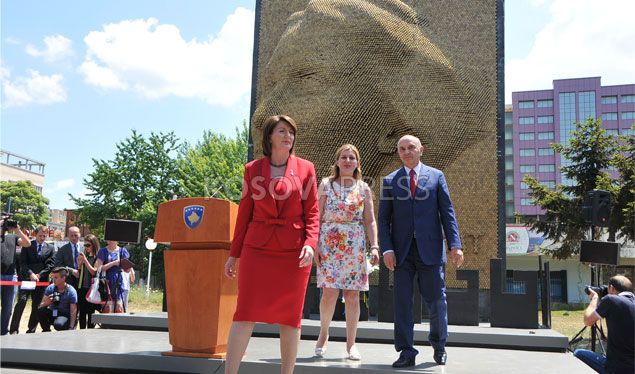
x: 75, y: 255
x: 39, y: 249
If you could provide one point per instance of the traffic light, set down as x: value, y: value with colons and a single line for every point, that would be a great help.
x: 597, y: 208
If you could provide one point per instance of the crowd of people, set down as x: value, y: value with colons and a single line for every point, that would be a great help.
x: 57, y: 280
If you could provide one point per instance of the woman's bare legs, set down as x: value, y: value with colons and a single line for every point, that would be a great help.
x: 351, y: 300
x: 289, y: 340
x: 239, y: 336
x: 327, y: 307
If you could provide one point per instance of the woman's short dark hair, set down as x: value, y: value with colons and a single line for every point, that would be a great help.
x: 267, y: 129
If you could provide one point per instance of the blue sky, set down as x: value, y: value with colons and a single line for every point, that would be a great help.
x: 77, y: 76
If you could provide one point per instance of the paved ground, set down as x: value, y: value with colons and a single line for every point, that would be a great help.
x: 99, y: 350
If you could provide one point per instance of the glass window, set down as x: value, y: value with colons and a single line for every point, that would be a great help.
x: 567, y: 125
x: 586, y: 103
x: 627, y: 99
x: 528, y: 152
x: 545, y: 103
x: 609, y: 99
x: 526, y: 120
x: 509, y: 212
x: 546, y: 168
x: 509, y: 164
x: 524, y: 186
x: 549, y: 184
x: 545, y: 119
x: 527, y: 168
x: 628, y: 115
x: 509, y: 194
x: 509, y: 179
x: 525, y: 202
x: 526, y: 136
x: 549, y: 135
x: 545, y: 152
x: 628, y: 132
x: 609, y: 116
x: 509, y: 149
x: 526, y: 104
x: 611, y: 132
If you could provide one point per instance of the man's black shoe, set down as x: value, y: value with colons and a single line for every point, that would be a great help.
x: 440, y: 357
x: 404, y: 362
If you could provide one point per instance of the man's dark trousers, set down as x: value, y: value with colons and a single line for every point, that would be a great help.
x: 36, y: 299
x: 432, y: 287
x: 60, y: 323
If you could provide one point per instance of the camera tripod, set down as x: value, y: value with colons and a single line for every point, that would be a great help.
x: 594, y: 336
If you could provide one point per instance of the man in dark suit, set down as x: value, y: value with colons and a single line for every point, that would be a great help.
x: 66, y: 256
x: 415, y: 211
x: 36, y: 263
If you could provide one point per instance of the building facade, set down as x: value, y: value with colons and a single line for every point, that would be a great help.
x: 543, y: 117
x: 15, y: 168
x: 509, y: 165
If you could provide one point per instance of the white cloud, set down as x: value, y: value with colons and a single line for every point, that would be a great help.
x: 4, y: 73
x: 57, y: 47
x: 155, y: 61
x: 537, y: 3
x: 583, y: 38
x: 33, y: 89
x: 11, y: 40
x: 59, y: 186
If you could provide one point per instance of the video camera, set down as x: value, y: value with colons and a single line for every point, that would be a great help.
x: 600, y: 290
x: 7, y: 222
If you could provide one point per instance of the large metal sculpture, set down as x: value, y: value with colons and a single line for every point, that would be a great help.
x: 369, y: 71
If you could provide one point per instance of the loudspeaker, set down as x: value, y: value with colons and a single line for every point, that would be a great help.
x: 599, y: 252
x: 597, y: 208
x: 122, y: 230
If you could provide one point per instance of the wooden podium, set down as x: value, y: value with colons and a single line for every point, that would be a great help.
x: 201, y: 300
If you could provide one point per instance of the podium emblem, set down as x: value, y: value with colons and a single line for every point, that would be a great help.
x: 193, y: 215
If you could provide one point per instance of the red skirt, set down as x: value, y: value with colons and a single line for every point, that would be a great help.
x: 271, y: 286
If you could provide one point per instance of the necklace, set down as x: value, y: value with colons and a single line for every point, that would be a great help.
x: 278, y: 166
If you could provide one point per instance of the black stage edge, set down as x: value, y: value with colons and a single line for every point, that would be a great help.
x: 482, y: 336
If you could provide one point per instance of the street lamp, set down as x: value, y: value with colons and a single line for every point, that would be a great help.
x: 150, y: 245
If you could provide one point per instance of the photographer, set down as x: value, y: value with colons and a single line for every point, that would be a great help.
x: 59, y: 305
x: 11, y: 237
x: 617, y: 306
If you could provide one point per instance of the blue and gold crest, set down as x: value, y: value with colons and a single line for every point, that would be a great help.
x: 193, y: 215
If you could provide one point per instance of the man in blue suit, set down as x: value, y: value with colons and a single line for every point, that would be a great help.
x: 415, y: 211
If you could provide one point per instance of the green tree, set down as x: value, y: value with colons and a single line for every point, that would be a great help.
x: 590, y: 153
x: 623, y: 210
x: 214, y: 166
x: 142, y: 175
x: 28, y: 205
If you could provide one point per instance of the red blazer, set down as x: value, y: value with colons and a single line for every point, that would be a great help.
x: 291, y: 223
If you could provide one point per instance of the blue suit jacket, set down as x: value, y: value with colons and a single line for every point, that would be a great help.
x: 428, y: 216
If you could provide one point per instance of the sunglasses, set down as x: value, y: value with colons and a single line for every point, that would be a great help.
x: 88, y: 245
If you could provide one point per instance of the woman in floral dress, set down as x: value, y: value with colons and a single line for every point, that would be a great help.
x: 347, y: 216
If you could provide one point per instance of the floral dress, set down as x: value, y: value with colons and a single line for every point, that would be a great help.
x: 342, y: 239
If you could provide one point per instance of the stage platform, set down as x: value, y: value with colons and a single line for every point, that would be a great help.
x: 482, y: 336
x: 111, y: 350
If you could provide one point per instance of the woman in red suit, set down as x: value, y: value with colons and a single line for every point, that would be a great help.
x: 275, y: 236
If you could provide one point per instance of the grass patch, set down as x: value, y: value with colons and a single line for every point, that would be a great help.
x: 567, y: 322
x: 137, y: 302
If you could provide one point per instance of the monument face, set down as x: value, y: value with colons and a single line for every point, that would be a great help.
x: 369, y: 71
